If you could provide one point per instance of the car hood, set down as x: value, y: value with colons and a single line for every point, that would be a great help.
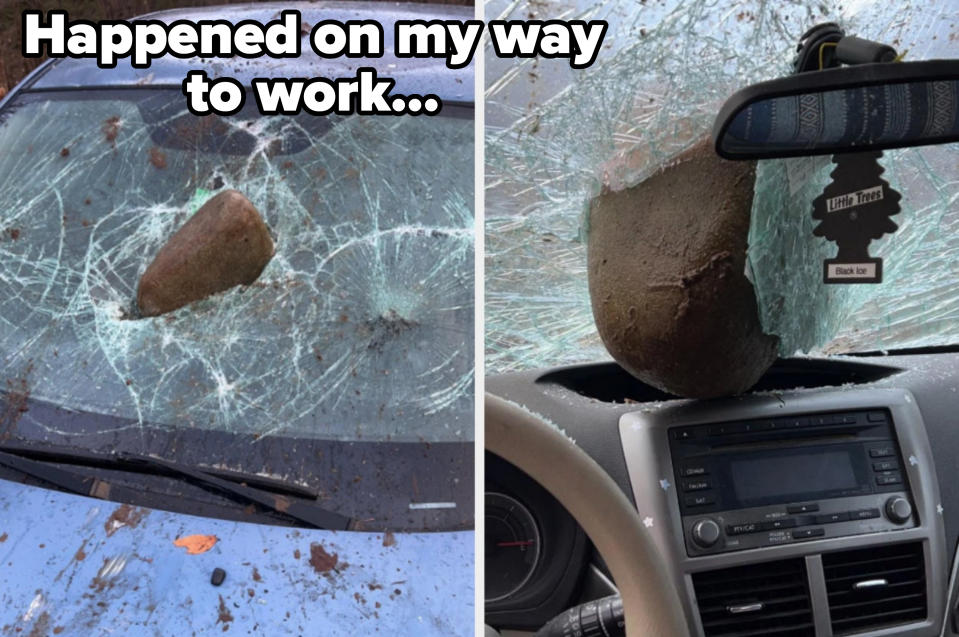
x: 75, y: 565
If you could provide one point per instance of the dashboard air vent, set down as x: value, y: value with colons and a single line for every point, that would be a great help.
x: 875, y: 587
x: 770, y: 598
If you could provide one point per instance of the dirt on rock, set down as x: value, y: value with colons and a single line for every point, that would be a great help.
x: 666, y: 278
x: 225, y: 244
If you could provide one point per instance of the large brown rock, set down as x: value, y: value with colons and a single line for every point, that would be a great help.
x: 666, y: 278
x: 224, y: 244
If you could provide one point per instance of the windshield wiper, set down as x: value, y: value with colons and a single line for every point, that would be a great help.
x: 74, y: 482
x: 307, y: 513
x: 81, y: 456
x: 67, y: 480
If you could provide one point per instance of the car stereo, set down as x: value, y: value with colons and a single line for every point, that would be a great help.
x: 773, y: 481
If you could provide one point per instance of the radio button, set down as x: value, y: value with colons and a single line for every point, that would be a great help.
x: 802, y: 508
x: 740, y: 529
x: 876, y: 416
x: 700, y: 500
x: 802, y: 534
x: 892, y: 478
x: 683, y: 434
x: 696, y: 485
x: 864, y: 514
x: 881, y: 452
x: 773, y: 525
x: 885, y: 465
x: 832, y: 518
x: 694, y: 470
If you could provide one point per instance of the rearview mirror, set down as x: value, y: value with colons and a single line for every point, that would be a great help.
x: 847, y: 109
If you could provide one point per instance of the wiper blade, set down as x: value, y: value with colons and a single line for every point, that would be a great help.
x: 79, y: 455
x: 73, y: 482
x: 296, y: 509
x: 67, y: 480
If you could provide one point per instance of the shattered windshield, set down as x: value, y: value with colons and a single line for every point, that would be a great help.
x: 360, y: 326
x: 557, y: 137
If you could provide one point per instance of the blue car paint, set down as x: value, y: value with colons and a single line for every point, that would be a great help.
x: 69, y: 565
x: 73, y: 565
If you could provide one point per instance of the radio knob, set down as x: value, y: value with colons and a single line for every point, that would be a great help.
x: 898, y: 509
x: 706, y: 533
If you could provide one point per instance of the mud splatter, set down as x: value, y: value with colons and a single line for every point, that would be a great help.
x: 3, y: 538
x: 157, y: 158
x: 320, y: 560
x: 41, y: 627
x: 256, y: 575
x: 81, y: 555
x: 110, y: 129
x: 124, y: 515
x: 17, y: 398
x: 102, y: 580
x: 224, y: 615
x: 296, y: 554
x: 389, y: 539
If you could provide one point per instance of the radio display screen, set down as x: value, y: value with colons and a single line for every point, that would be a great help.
x: 780, y: 476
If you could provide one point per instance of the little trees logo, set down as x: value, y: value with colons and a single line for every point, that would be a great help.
x: 854, y: 209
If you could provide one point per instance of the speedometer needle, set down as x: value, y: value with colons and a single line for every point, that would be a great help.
x: 518, y: 543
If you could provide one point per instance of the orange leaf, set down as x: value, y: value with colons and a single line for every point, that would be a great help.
x: 196, y: 544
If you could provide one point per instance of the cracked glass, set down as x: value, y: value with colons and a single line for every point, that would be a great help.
x: 360, y: 326
x: 555, y: 137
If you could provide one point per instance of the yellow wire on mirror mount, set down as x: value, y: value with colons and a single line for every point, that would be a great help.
x: 822, y: 47
x: 811, y: 53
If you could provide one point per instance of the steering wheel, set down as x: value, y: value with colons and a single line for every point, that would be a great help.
x: 650, y: 602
